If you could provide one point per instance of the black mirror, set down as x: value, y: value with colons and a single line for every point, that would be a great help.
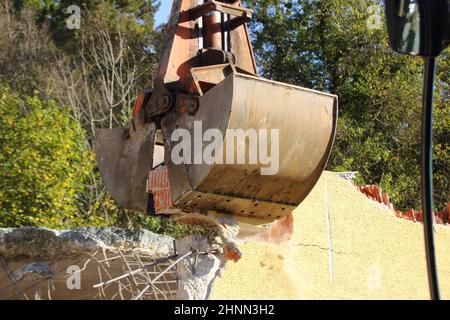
x: 418, y: 27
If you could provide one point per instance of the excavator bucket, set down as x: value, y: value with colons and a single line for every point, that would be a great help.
x: 288, y: 129
x: 234, y: 143
x: 124, y: 157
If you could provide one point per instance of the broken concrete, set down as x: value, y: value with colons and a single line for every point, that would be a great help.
x: 197, y: 274
x: 39, y: 263
x: 41, y: 242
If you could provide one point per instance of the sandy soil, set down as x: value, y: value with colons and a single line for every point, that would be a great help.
x: 362, y: 251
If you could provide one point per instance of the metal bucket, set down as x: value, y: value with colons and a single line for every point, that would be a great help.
x: 125, y: 157
x: 306, y: 124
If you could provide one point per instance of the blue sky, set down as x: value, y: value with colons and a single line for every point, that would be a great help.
x: 163, y: 13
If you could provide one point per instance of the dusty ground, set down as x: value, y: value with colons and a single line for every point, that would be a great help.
x: 364, y: 252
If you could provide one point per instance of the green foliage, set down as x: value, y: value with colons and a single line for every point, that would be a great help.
x: 95, y: 71
x: 442, y: 130
x: 43, y: 163
x: 27, y: 56
x: 331, y: 45
x: 117, y: 217
x: 120, y: 37
x: 165, y: 225
x: 175, y: 230
x: 135, y: 17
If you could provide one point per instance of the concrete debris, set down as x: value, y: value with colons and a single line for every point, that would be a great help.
x: 36, y: 269
x: 198, y: 273
x: 50, y: 244
x: 105, y: 263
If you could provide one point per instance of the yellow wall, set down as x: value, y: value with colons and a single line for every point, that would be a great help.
x: 375, y: 255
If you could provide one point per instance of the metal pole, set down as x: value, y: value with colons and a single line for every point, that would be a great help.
x: 212, y: 34
x: 427, y: 176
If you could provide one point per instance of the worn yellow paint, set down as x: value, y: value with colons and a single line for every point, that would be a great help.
x: 374, y: 255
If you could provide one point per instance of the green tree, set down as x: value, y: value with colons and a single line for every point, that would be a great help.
x: 43, y: 163
x: 137, y: 16
x: 95, y: 72
x: 115, y: 50
x: 27, y: 56
x: 335, y: 46
x: 442, y: 130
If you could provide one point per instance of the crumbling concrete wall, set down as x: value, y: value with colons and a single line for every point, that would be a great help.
x: 104, y: 263
x: 343, y: 246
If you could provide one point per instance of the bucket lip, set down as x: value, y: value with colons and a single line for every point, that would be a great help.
x: 243, y: 75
